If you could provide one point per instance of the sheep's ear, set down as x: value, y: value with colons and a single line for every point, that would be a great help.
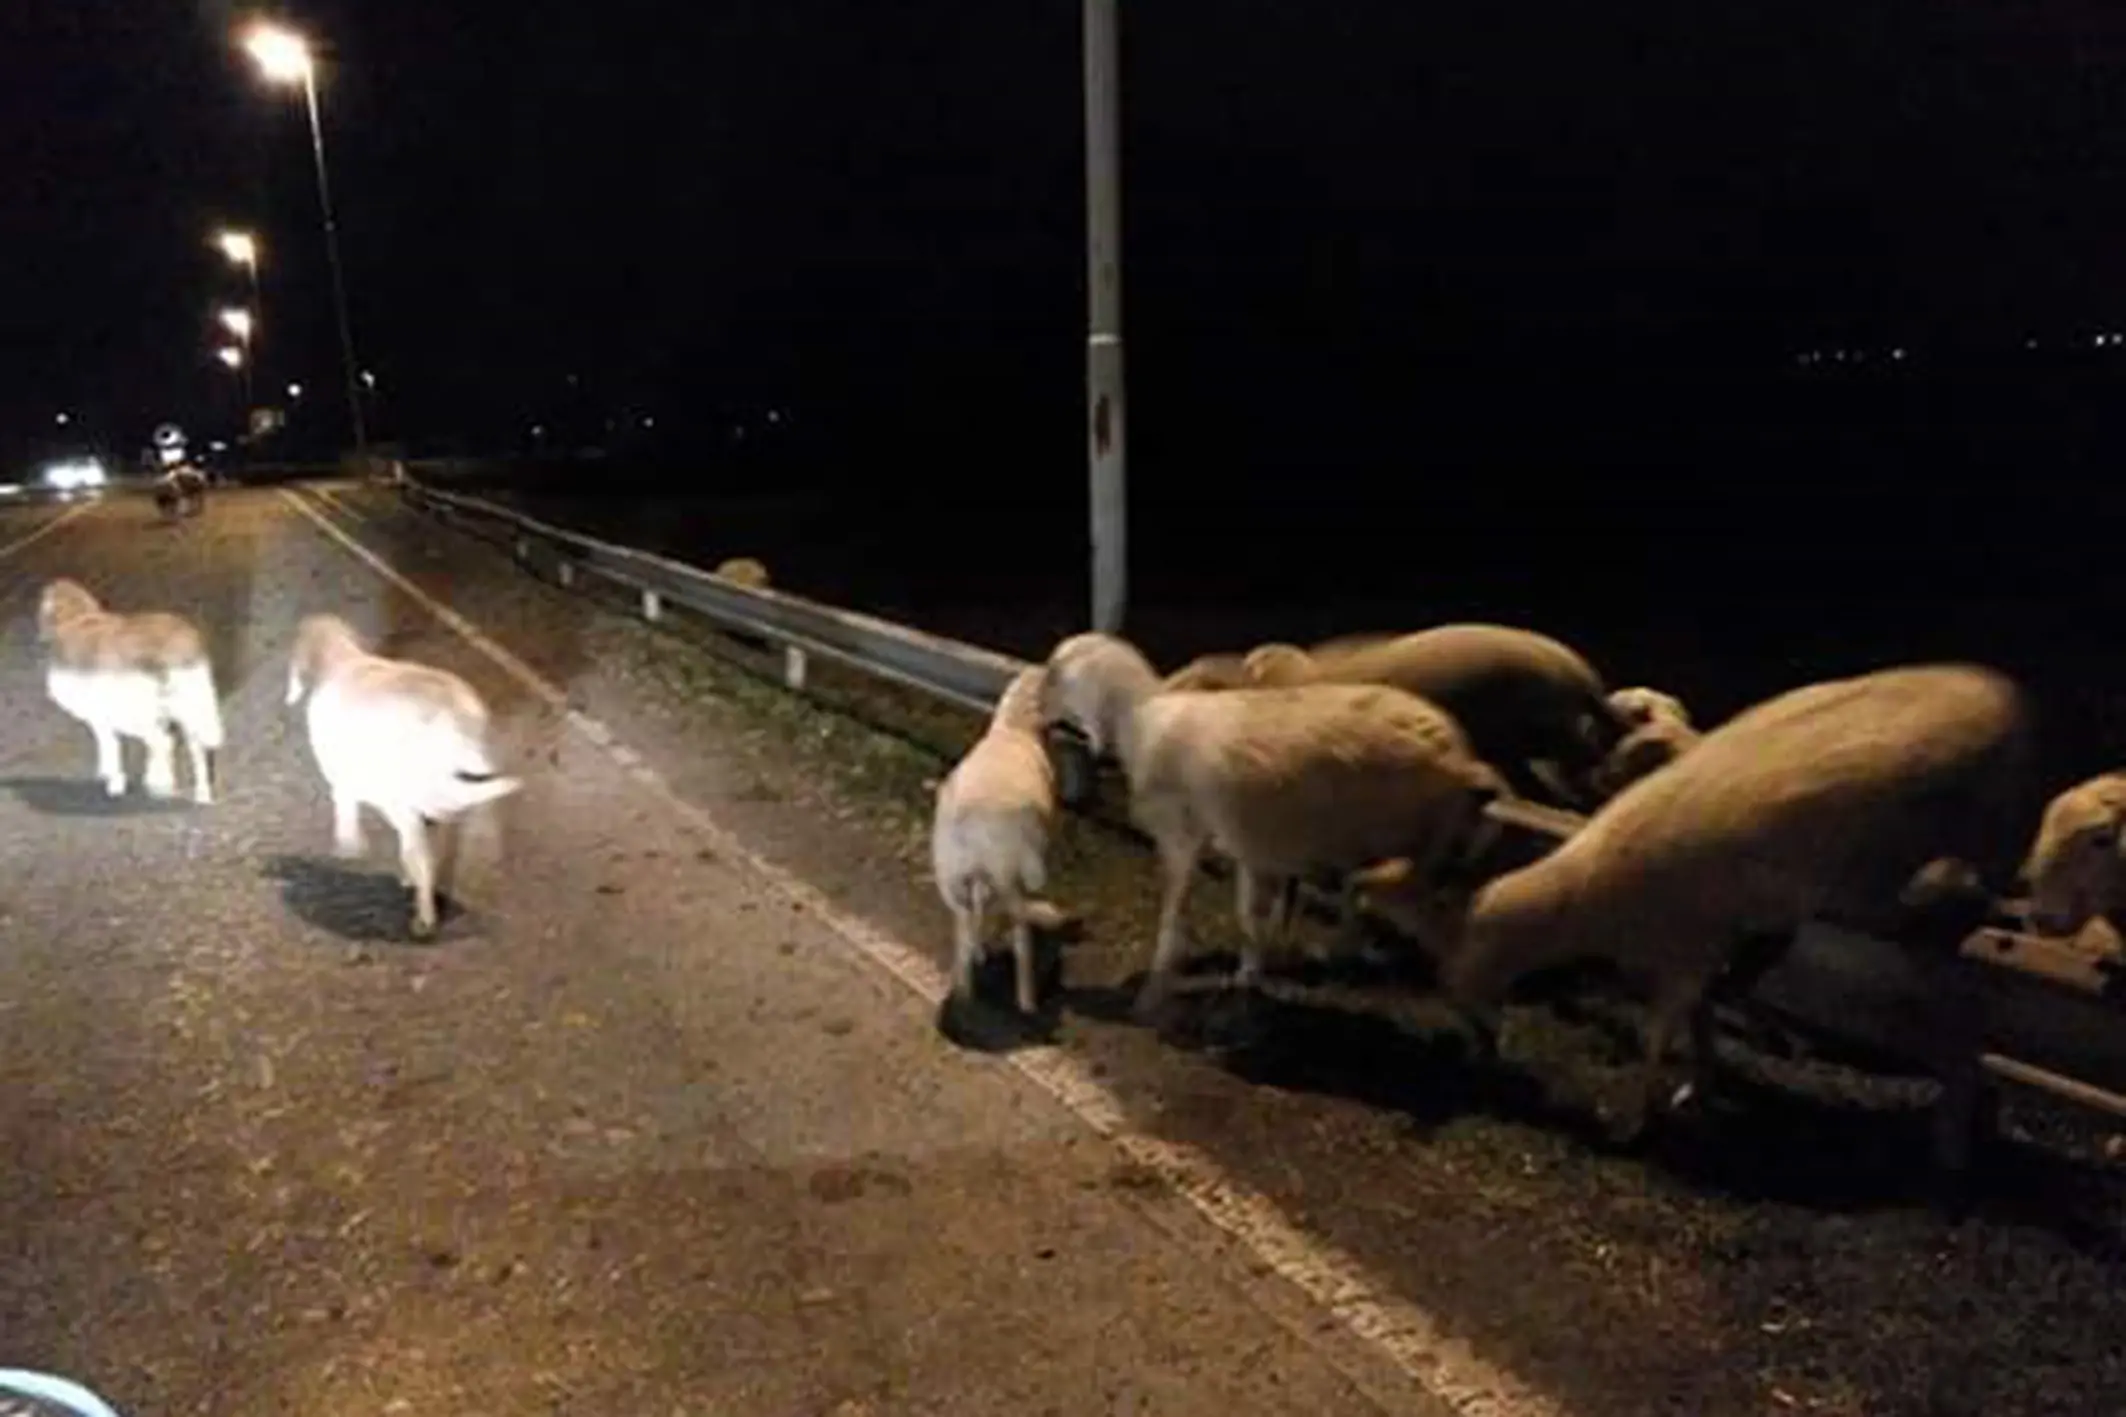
x: 1383, y: 875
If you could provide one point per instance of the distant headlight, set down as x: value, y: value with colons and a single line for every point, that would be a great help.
x: 70, y: 473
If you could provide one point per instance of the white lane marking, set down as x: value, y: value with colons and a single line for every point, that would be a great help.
x: 44, y: 530
x: 1441, y: 1366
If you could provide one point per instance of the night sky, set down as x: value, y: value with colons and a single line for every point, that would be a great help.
x: 871, y: 214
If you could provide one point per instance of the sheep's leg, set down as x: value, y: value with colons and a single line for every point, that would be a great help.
x: 1022, y: 956
x: 447, y: 839
x: 160, y: 778
x: 202, y: 772
x: 966, y: 948
x: 346, y: 825
x: 110, y: 763
x: 420, y: 869
x: 1178, y: 861
x: 1676, y: 1007
x: 1252, y: 924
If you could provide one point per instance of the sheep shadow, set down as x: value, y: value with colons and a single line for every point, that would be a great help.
x: 358, y: 903
x: 85, y: 797
x: 989, y: 1021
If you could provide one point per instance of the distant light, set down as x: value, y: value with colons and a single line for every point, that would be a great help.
x: 648, y: 422
x: 217, y: 446
x: 230, y: 355
x: 62, y: 420
x: 9, y: 489
x: 2029, y: 344
x: 1897, y: 354
x: 368, y: 379
x: 774, y: 415
x: 239, y: 246
x: 282, y: 55
x: 538, y: 430
x: 295, y: 391
x: 237, y: 321
x: 71, y: 473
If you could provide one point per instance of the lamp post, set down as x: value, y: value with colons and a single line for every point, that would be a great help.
x: 1103, y: 334
x: 241, y: 247
x: 283, y: 57
x: 238, y: 322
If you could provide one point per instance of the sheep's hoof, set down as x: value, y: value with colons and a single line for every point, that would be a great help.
x: 423, y: 930
x: 204, y: 796
x: 114, y: 787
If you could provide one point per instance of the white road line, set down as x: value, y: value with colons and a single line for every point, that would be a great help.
x: 1442, y: 1367
x: 44, y: 530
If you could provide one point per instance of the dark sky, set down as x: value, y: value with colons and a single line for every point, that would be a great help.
x: 860, y: 209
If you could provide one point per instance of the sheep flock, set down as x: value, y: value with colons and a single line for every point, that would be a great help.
x: 1893, y: 801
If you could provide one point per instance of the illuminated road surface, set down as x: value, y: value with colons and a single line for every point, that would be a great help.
x: 635, y: 1135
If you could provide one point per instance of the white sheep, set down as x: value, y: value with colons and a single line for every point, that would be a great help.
x: 744, y: 571
x: 132, y: 676
x: 989, y: 837
x: 1530, y: 704
x: 2076, y: 869
x: 406, y: 739
x: 1283, y: 781
x: 1831, y: 800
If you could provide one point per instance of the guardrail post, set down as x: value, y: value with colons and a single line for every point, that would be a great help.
x: 522, y: 548
x: 652, y: 606
x: 793, y: 666
x: 567, y: 572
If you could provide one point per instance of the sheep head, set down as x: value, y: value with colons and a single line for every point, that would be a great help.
x: 62, y: 600
x: 1638, y: 706
x: 319, y: 640
x: 1094, y: 683
x: 2077, y: 863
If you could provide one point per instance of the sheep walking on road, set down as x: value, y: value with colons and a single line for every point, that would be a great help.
x: 144, y: 676
x: 406, y: 739
x: 989, y: 838
x: 1840, y: 799
x: 1286, y: 782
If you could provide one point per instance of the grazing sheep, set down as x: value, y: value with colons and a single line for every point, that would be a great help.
x: 406, y: 739
x: 132, y: 676
x: 2077, y: 867
x: 743, y: 570
x: 1283, y: 781
x: 989, y: 837
x: 1830, y: 800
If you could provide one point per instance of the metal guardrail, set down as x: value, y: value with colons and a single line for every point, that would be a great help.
x: 2007, y: 1006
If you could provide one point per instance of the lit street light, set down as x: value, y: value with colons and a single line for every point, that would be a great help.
x: 230, y: 355
x: 295, y: 391
x: 238, y: 322
x: 283, y: 57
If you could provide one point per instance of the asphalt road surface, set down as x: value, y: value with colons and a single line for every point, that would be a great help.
x: 661, y: 1122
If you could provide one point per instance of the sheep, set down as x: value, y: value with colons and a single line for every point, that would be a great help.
x: 743, y: 570
x: 2076, y: 868
x: 989, y: 837
x: 1841, y: 798
x: 1658, y: 730
x: 141, y: 676
x: 1283, y: 781
x: 406, y: 739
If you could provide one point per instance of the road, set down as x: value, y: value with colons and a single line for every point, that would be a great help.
x: 636, y: 1134
x: 661, y: 1122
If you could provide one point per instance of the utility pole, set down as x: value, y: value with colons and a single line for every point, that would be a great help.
x: 1103, y: 338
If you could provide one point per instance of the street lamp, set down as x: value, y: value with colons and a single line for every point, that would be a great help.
x: 238, y: 322
x: 283, y: 57
x: 241, y: 247
x: 230, y: 355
